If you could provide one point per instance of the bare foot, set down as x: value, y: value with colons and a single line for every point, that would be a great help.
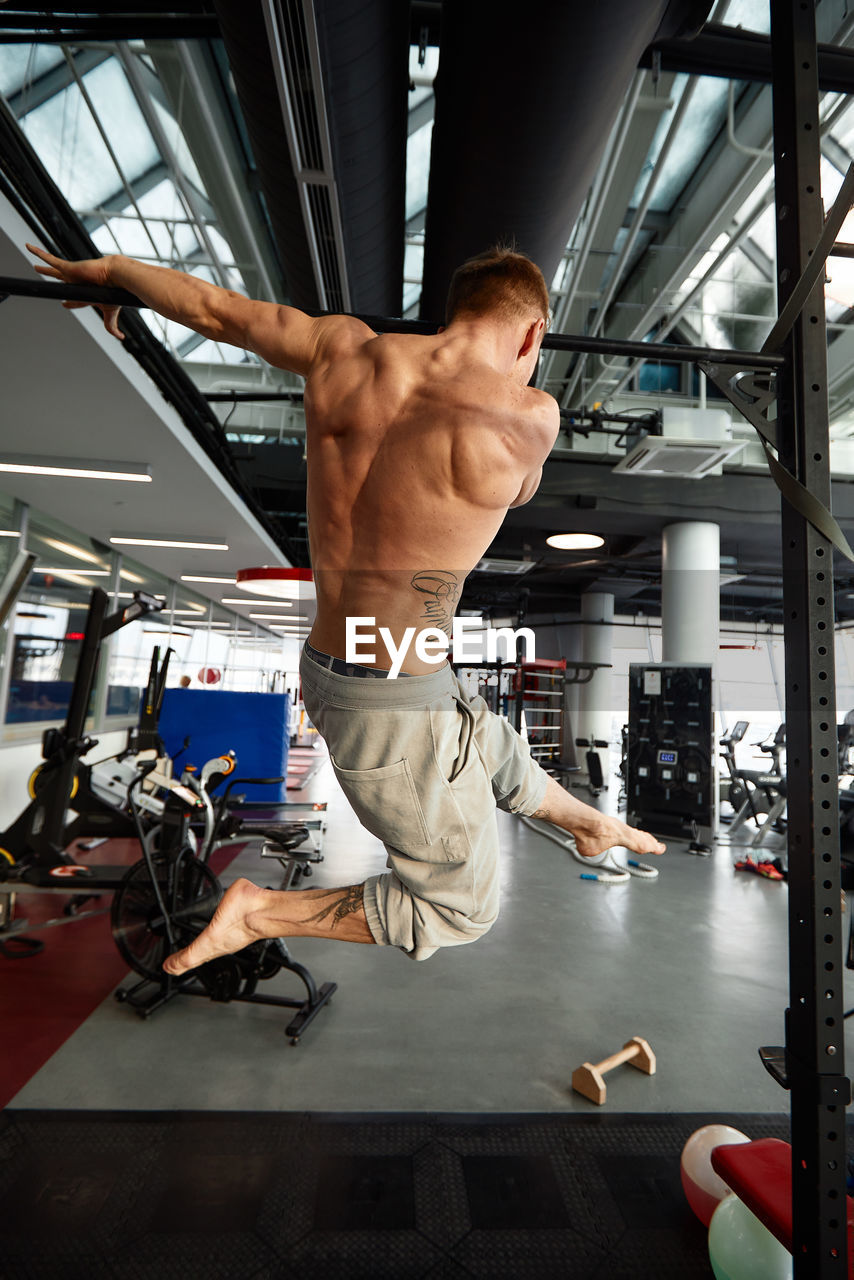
x: 230, y: 929
x: 606, y: 832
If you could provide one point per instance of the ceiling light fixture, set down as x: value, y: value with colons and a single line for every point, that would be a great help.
x: 10, y: 533
x: 131, y: 577
x: 70, y: 549
x: 195, y: 577
x: 271, y: 580
x: 271, y: 604
x: 90, y: 573
x: 138, y: 472
x: 575, y: 541
x: 277, y: 617
x: 170, y: 542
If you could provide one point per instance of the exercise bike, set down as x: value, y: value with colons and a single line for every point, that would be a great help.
x: 167, y: 898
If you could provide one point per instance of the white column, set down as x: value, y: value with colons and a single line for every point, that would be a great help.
x: 690, y: 592
x: 594, y: 697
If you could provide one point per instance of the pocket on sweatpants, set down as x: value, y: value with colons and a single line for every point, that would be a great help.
x: 386, y: 803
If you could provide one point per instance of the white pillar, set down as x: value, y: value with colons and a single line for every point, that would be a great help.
x: 594, y: 697
x: 690, y: 592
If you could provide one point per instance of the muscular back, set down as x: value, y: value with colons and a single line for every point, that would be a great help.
x: 414, y: 455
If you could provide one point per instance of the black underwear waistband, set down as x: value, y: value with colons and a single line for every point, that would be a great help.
x: 343, y: 668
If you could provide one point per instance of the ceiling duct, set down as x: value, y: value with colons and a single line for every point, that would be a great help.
x: 323, y: 90
x: 523, y: 112
x: 247, y: 47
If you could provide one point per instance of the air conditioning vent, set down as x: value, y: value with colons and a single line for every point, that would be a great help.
x: 295, y: 49
x: 658, y: 456
x: 504, y: 566
x: 322, y: 220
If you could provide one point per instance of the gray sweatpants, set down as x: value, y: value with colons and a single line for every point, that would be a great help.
x: 424, y: 766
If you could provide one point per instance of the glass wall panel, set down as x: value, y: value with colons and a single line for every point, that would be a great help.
x: 131, y: 646
x: 50, y: 619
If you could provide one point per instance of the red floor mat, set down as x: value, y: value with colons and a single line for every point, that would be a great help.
x: 45, y: 998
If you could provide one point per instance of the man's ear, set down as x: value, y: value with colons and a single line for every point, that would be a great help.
x: 533, y: 335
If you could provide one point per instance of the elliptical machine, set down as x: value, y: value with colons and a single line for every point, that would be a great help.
x: 757, y: 795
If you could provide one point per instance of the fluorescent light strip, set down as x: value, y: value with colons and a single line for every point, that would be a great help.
x: 255, y: 604
x: 172, y: 542
x: 9, y: 533
x: 277, y: 617
x: 131, y: 577
x: 70, y: 549
x: 195, y: 577
x: 74, y: 473
x: 90, y: 573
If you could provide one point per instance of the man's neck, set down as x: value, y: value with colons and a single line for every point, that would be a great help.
x: 494, y: 343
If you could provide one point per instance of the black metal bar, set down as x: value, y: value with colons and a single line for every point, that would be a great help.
x: 251, y: 397
x: 814, y: 1020
x: 40, y: 288
x: 24, y: 29
x: 735, y: 54
x: 842, y: 250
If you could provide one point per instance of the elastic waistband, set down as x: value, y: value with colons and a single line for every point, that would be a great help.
x: 343, y: 668
x: 345, y: 690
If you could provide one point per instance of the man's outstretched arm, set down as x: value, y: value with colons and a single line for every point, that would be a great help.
x: 283, y: 336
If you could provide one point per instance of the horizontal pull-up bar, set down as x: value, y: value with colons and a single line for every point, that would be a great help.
x: 11, y: 286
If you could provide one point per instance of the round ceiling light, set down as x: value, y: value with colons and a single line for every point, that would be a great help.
x: 575, y: 541
x: 274, y: 581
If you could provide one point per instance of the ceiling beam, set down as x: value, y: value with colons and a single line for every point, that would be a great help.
x: 735, y: 54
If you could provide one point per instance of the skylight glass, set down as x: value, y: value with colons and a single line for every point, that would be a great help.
x: 752, y: 15
x: 703, y: 119
x: 105, y: 159
x: 72, y: 150
x: 21, y: 64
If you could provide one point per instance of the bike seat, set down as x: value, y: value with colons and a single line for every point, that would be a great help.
x: 285, y: 835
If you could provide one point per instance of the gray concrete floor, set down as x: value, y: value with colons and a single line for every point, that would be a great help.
x: 695, y: 961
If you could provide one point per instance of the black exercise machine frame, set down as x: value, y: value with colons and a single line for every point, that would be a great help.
x: 812, y: 1064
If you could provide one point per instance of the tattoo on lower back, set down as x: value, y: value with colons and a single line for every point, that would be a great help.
x: 344, y: 904
x: 441, y: 591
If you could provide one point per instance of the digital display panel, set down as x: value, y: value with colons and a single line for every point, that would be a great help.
x: 667, y: 757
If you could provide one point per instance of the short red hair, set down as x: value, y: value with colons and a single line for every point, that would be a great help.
x: 499, y: 280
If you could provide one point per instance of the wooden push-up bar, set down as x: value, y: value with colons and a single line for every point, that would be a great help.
x: 587, y: 1079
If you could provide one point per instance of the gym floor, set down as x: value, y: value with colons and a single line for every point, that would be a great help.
x: 695, y: 962
x: 424, y: 1126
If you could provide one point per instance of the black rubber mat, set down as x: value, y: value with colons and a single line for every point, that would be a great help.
x: 175, y: 1196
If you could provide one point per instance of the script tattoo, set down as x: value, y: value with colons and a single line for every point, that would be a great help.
x: 441, y: 590
x: 349, y: 902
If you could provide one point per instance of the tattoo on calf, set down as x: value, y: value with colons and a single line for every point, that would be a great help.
x: 346, y: 904
x: 545, y: 814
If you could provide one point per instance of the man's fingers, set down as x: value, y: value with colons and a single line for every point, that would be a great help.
x: 43, y: 254
x: 74, y: 306
x: 48, y: 271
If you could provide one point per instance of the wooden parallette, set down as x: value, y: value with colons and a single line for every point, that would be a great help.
x: 587, y: 1079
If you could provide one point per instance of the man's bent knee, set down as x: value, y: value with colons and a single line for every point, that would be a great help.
x: 418, y: 926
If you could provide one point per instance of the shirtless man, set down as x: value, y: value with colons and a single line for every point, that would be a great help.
x: 416, y: 447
